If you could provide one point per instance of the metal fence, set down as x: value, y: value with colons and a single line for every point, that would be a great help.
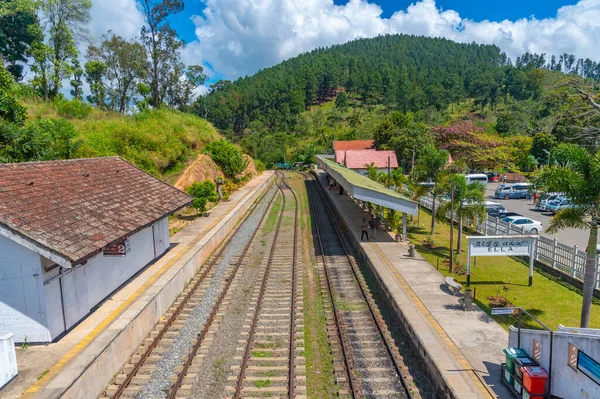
x: 568, y: 259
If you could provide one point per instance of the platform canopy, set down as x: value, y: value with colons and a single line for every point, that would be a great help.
x: 365, y: 189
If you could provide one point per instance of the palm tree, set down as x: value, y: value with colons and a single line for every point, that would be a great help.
x: 469, y: 203
x: 431, y: 164
x: 577, y: 174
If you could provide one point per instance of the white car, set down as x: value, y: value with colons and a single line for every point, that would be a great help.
x: 529, y: 226
x: 542, y: 203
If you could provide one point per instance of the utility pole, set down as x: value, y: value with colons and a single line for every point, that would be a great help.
x: 389, y: 170
x: 413, y: 164
x: 452, y: 229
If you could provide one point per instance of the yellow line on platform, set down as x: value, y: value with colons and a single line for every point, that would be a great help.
x: 81, y: 345
x: 432, y: 320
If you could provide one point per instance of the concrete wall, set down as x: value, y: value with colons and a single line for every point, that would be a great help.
x: 8, y: 359
x: 94, y: 371
x: 567, y: 382
x: 22, y: 305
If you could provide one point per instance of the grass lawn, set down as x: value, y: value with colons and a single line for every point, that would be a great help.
x: 551, y: 299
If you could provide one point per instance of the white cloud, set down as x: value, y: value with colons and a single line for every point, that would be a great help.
x: 121, y: 16
x: 239, y: 37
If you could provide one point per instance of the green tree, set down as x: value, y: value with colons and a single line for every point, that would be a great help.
x: 19, y: 29
x: 577, y: 174
x: 543, y: 142
x: 95, y: 72
x: 42, y: 67
x: 125, y: 64
x: 430, y: 165
x: 160, y: 42
x: 469, y: 203
x: 76, y: 83
x: 10, y: 109
x: 341, y: 101
x: 228, y: 157
x: 202, y: 193
x: 67, y: 21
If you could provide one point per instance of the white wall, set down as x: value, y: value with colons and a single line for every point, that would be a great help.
x: 567, y: 382
x: 8, y: 359
x: 22, y: 307
x: 30, y: 299
x: 87, y: 285
x: 364, y: 171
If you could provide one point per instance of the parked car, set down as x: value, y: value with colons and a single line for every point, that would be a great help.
x: 480, y: 177
x: 544, y: 199
x: 557, y: 205
x: 511, y: 191
x: 495, y: 209
x: 493, y: 177
x: 529, y: 226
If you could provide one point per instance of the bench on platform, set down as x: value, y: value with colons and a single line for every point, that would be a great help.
x: 452, y: 285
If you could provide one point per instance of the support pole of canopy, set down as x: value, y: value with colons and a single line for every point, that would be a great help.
x: 404, y: 227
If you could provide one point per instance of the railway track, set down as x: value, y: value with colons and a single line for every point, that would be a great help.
x: 366, y: 364
x: 141, y: 368
x: 271, y: 361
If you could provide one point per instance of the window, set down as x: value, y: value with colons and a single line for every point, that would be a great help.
x: 572, y: 359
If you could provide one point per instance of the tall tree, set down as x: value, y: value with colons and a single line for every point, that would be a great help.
x: 66, y: 21
x: 468, y: 203
x: 19, y: 28
x: 125, y: 66
x: 95, y: 72
x: 577, y: 174
x: 158, y: 38
x: 76, y: 83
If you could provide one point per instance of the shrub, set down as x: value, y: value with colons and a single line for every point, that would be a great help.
x: 228, y: 157
x: 73, y: 109
x: 202, y: 193
x: 260, y: 166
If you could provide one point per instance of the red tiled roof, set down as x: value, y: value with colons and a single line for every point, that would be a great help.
x: 345, y: 145
x: 357, y: 159
x: 75, y: 208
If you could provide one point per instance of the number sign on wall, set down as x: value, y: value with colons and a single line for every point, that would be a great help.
x: 120, y: 248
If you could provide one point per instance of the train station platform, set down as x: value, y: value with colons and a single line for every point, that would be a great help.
x: 82, y: 363
x: 462, y: 350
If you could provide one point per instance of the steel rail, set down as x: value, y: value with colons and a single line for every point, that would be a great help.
x: 186, y: 299
x: 188, y: 362
x: 292, y: 352
x: 338, y: 322
x: 380, y: 328
x: 246, y: 357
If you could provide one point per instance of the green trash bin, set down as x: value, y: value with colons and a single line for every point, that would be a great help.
x: 511, y: 355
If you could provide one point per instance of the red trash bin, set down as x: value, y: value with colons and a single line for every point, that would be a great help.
x: 534, y: 379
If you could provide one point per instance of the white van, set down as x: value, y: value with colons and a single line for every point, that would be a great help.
x: 480, y: 177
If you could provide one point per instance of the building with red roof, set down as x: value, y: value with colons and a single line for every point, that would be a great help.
x: 358, y: 159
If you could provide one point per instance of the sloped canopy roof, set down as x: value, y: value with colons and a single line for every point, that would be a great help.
x: 68, y: 211
x: 365, y: 189
x: 357, y: 159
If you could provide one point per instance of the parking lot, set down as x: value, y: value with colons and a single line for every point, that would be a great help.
x: 525, y: 207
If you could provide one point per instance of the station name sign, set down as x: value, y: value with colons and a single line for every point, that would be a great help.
x: 119, y: 248
x: 500, y: 246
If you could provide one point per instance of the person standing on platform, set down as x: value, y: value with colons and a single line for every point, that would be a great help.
x: 373, y: 225
x: 364, y: 226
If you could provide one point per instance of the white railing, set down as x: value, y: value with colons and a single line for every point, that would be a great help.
x: 568, y: 259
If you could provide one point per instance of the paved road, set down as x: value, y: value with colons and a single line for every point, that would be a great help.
x: 525, y: 207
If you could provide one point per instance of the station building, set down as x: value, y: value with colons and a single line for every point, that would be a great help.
x: 71, y: 233
x: 357, y: 160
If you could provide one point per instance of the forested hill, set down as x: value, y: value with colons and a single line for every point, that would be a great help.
x: 411, y: 73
